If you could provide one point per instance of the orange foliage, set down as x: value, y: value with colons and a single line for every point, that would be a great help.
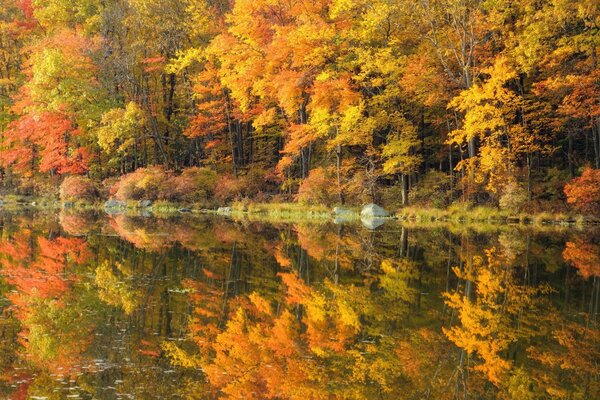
x: 78, y: 188
x: 584, y: 192
x: 317, y: 188
x: 50, y: 133
x: 584, y: 256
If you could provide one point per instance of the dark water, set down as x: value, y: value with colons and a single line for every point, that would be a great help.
x: 198, y: 308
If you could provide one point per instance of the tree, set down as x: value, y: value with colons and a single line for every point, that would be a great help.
x: 584, y: 192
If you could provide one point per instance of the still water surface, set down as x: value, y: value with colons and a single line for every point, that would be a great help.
x: 98, y: 307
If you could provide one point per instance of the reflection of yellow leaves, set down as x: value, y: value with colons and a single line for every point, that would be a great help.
x: 348, y: 316
x: 396, y: 278
x: 178, y: 356
x: 113, y: 290
x: 261, y: 304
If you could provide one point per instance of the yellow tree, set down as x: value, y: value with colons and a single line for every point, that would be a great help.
x: 491, y: 110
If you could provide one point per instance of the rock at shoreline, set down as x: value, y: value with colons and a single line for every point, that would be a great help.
x: 373, y: 223
x: 113, y: 204
x: 342, y: 211
x: 373, y: 211
x: 144, y: 203
x: 224, y: 211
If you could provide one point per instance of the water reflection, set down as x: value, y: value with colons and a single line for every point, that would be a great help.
x: 202, y: 308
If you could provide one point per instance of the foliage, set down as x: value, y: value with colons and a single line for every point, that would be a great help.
x: 232, y: 188
x: 144, y: 183
x: 498, y: 97
x: 433, y: 189
x: 513, y: 197
x: 316, y: 188
x: 195, y: 184
x: 584, y: 192
x: 77, y: 187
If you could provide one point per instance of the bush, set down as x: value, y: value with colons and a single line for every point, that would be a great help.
x: 583, y: 193
x: 230, y: 188
x: 151, y: 183
x: 433, y: 190
x: 513, y: 197
x: 319, y: 188
x: 154, y: 183
x: 78, y: 188
x: 195, y: 185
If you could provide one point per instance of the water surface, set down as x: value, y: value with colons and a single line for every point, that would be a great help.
x: 98, y: 307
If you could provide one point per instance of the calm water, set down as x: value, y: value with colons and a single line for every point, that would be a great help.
x: 98, y: 307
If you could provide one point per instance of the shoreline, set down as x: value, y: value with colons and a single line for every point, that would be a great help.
x: 296, y: 212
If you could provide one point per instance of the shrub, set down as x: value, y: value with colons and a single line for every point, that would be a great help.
x: 230, y: 188
x: 583, y: 193
x: 154, y: 183
x: 78, y: 188
x: 195, y: 185
x: 433, y: 190
x: 318, y: 188
x: 513, y: 197
x: 151, y: 183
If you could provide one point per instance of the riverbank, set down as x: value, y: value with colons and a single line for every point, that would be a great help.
x: 296, y: 212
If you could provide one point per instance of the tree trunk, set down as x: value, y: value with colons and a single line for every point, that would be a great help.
x: 338, y: 164
x: 404, y: 189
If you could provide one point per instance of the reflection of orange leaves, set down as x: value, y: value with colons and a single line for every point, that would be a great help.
x: 584, y: 256
x: 206, y: 300
x: 43, y: 277
x: 282, y: 259
x: 141, y: 237
x: 76, y: 224
x: 297, y: 292
x: 149, y: 349
x: 281, y: 340
x: 228, y: 233
x: 211, y: 275
x: 571, y: 354
x: 314, y: 244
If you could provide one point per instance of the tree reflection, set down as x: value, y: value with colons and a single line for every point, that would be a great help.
x: 208, y: 308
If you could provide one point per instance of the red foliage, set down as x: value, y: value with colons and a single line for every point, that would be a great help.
x: 151, y: 183
x: 154, y: 183
x: 584, y: 256
x: 318, y: 188
x: 26, y: 7
x: 78, y: 188
x: 584, y: 192
x: 48, y: 134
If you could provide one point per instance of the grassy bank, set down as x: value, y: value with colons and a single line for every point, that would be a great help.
x: 491, y: 215
x: 460, y: 214
x: 296, y: 212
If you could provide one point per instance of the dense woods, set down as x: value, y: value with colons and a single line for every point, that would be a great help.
x: 321, y: 101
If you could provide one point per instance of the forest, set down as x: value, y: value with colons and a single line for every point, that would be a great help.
x: 428, y: 102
